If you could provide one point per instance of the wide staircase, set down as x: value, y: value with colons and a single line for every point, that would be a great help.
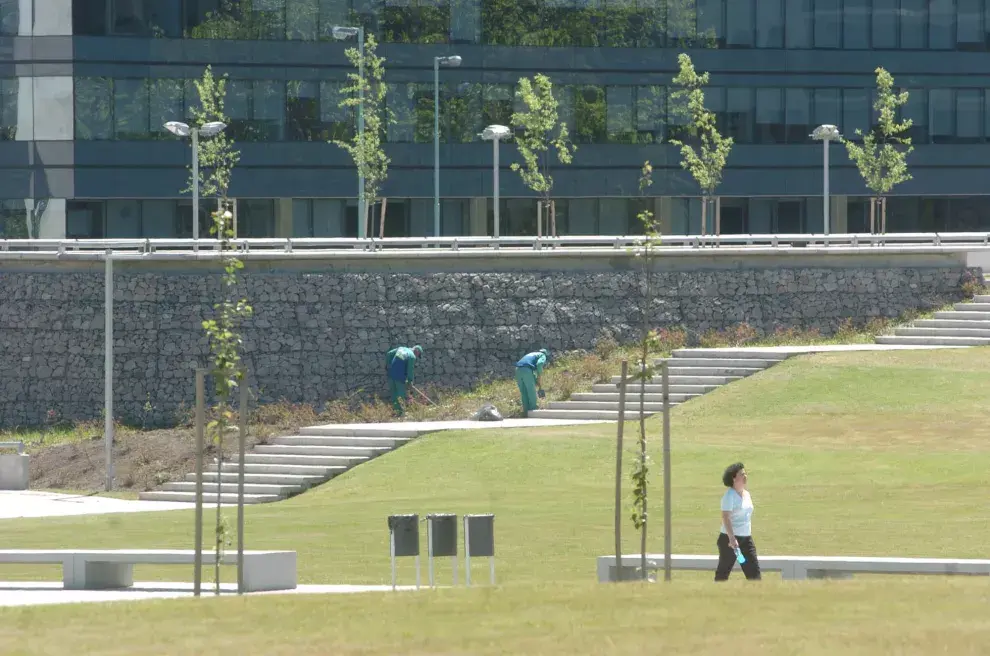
x: 966, y: 324
x: 286, y: 466
x: 691, y: 373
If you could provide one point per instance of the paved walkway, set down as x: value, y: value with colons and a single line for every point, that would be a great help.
x: 25, y: 593
x: 17, y: 504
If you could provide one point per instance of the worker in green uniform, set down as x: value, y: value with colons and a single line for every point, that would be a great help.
x: 400, y: 367
x: 528, y: 372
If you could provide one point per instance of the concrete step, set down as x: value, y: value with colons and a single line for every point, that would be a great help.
x: 608, y: 388
x: 231, y: 488
x: 981, y: 298
x: 602, y: 415
x: 309, y: 450
x: 951, y: 323
x: 631, y: 399
x: 614, y: 406
x: 933, y: 341
x: 734, y: 354
x: 745, y: 363
x: 261, y: 479
x: 913, y: 331
x: 340, y: 440
x: 713, y: 371
x: 275, y: 469
x: 358, y: 430
x: 972, y: 307
x: 632, y: 388
x: 715, y: 381
x: 287, y: 459
x: 190, y: 497
x: 956, y: 315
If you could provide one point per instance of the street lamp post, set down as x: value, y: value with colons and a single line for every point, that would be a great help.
x: 826, y: 133
x: 210, y: 129
x: 495, y: 133
x: 452, y: 61
x: 341, y: 32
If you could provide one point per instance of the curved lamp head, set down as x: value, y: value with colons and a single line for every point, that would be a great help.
x: 827, y: 133
x: 340, y: 33
x: 495, y: 132
x: 212, y: 128
x: 177, y: 128
x: 452, y: 61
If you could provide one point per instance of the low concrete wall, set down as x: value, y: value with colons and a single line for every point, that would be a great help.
x: 14, y: 471
x: 322, y: 326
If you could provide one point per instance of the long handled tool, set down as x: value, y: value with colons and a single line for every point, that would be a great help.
x: 416, y: 389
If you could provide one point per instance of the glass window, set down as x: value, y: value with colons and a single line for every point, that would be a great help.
x: 589, y: 114
x: 739, y: 24
x: 255, y: 217
x: 678, y: 119
x: 914, y: 24
x: 855, y: 113
x: 682, y: 18
x: 916, y: 109
x: 94, y: 102
x: 769, y: 24
x: 332, y: 12
x: 798, y: 103
x: 856, y: 25
x: 123, y: 219
x: 799, y: 24
x: 986, y: 115
x: 826, y: 107
x: 13, y: 219
x: 237, y: 105
x: 301, y: 19
x: 770, y: 116
x: 650, y: 113
x: 401, y: 103
x: 165, y: 99
x: 564, y: 95
x: 739, y: 110
x: 88, y: 18
x: 711, y: 23
x: 941, y: 24
x: 969, y: 27
x: 582, y: 216
x: 969, y: 115
x: 416, y: 21
x: 941, y: 112
x: 619, y: 114
x: 302, y: 112
x: 460, y: 112
x: 885, y: 13
x: 264, y: 19
x: 158, y: 219
x: 715, y: 103
x: 465, y: 21
x: 269, y: 109
x: 8, y: 109
x: 339, y: 122
x: 83, y: 219
x: 827, y: 23
x: 154, y: 18
x: 130, y: 109
x: 497, y: 104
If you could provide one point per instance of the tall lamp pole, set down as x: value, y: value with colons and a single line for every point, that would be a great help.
x: 825, y: 134
x: 341, y: 32
x: 495, y: 133
x: 452, y: 61
x: 210, y: 129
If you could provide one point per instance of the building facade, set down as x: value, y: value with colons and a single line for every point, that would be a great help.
x: 86, y: 85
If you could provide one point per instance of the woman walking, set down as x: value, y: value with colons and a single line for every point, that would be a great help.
x: 736, y: 539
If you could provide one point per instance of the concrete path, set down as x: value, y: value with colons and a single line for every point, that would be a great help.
x: 18, y: 504
x: 421, y: 427
x: 32, y: 593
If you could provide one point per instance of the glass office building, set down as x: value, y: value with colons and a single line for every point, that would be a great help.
x: 85, y: 86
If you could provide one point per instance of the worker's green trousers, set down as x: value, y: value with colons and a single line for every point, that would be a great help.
x: 398, y: 390
x: 526, y: 379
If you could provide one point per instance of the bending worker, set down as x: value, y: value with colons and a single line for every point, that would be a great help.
x: 528, y: 372
x: 400, y: 365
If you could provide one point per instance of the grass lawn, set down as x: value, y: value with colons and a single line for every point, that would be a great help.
x: 848, y: 454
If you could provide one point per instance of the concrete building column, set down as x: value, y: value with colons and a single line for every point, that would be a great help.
x: 478, y: 217
x: 839, y: 212
x: 663, y: 210
x: 283, y: 217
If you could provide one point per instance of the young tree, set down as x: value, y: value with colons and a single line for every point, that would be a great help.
x: 882, y: 157
x: 538, y: 130
x: 217, y: 158
x: 366, y: 147
x: 645, y: 251
x: 707, y: 162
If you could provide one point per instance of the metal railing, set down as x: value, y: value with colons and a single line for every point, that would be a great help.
x: 429, y: 246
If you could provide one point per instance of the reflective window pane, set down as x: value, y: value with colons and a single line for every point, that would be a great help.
x: 94, y: 102
x: 914, y: 24
x: 941, y: 24
x: 798, y: 105
x: 165, y: 101
x: 8, y: 109
x: 619, y: 114
x: 827, y: 23
x: 942, y: 115
x: 465, y: 21
x: 682, y: 19
x: 711, y: 23
x: 827, y: 107
x: 969, y: 27
x: 770, y: 116
x: 799, y: 32
x: 497, y: 104
x: 416, y: 21
x: 130, y: 109
x: 338, y: 121
x: 986, y: 115
x: 969, y: 115
x: 589, y: 114
x: 237, y: 104
x: 331, y: 12
x: 739, y: 24
x: 916, y: 109
x: 13, y: 220
x: 885, y: 17
x: 856, y: 24
x: 123, y: 219
x: 650, y: 113
x: 88, y: 18
x: 460, y: 112
x: 739, y: 111
x: 401, y: 101
x: 855, y: 113
x: 302, y: 19
x: 269, y: 109
x: 302, y: 112
x: 769, y: 23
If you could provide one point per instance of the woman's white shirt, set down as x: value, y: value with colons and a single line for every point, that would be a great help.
x: 740, y: 509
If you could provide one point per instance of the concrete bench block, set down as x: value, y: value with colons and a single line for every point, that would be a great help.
x: 14, y: 471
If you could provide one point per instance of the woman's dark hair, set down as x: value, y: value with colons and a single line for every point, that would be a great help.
x: 730, y: 473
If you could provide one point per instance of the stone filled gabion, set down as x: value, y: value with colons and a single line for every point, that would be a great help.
x: 316, y: 336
